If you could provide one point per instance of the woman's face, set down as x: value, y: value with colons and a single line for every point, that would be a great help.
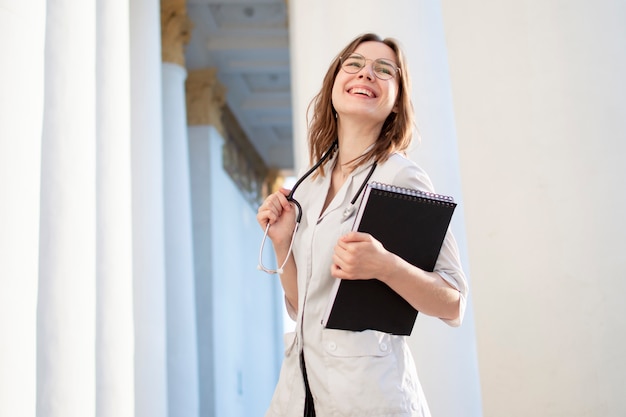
x: 363, y: 93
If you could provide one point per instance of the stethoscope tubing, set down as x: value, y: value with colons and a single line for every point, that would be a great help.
x: 291, y: 199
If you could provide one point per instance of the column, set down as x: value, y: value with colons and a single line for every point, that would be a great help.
x: 227, y: 175
x: 114, y: 290
x: 451, y: 361
x: 180, y: 291
x: 22, y: 34
x: 148, y: 218
x: 445, y: 357
x: 66, y: 304
x: 205, y: 99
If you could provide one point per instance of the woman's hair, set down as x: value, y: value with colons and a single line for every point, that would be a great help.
x: 397, y: 130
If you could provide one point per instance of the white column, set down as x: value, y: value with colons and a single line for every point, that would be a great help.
x: 181, y: 320
x: 205, y: 97
x: 450, y: 364
x: 206, y: 313
x: 22, y: 33
x: 114, y: 291
x: 66, y: 309
x: 446, y: 357
x: 182, y: 358
x: 147, y: 201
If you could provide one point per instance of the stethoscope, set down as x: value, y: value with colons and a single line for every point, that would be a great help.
x: 347, y: 212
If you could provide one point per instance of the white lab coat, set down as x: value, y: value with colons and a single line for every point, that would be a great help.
x: 351, y: 374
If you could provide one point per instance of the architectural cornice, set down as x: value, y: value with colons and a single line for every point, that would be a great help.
x: 206, y: 97
x: 175, y: 31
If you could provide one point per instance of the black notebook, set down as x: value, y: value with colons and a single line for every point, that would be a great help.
x: 410, y: 223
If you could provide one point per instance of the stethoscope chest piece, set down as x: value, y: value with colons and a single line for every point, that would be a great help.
x: 349, y: 211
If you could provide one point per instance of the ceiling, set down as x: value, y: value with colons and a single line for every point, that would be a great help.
x: 248, y: 42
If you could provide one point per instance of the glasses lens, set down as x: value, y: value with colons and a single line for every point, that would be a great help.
x: 353, y: 64
x: 383, y: 69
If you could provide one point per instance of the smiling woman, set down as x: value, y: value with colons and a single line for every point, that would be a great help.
x: 364, y: 81
x: 362, y: 123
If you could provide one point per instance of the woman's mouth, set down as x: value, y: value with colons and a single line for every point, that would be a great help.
x: 362, y: 91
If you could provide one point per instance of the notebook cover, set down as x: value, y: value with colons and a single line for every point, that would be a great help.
x: 410, y: 223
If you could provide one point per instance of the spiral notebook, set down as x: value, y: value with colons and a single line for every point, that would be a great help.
x: 410, y: 223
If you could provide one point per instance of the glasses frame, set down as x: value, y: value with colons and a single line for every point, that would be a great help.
x: 379, y: 61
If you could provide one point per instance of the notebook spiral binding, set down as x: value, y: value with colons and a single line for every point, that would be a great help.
x: 426, y: 196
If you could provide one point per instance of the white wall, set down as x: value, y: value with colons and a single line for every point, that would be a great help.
x: 540, y: 99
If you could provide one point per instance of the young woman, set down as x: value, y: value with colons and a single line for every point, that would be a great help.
x: 363, y: 120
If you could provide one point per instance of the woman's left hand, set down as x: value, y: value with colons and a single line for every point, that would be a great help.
x: 360, y: 256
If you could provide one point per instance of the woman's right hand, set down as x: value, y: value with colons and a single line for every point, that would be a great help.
x: 280, y: 214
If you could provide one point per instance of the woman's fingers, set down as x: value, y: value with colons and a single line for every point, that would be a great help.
x: 273, y: 207
x: 358, y: 256
x: 276, y: 211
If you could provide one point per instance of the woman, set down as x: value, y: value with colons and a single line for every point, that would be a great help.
x: 365, y: 106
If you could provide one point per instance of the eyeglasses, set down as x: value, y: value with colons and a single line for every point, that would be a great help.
x: 383, y: 69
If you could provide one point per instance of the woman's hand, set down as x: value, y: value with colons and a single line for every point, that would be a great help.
x: 277, y: 212
x: 360, y: 256
x: 280, y: 214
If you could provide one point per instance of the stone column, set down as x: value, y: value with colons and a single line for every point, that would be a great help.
x: 147, y: 201
x: 205, y: 101
x: 67, y: 284
x: 180, y: 291
x: 451, y: 361
x: 445, y: 357
x: 22, y: 34
x: 114, y: 290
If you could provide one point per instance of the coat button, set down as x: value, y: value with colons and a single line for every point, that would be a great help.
x: 332, y: 346
x: 383, y: 347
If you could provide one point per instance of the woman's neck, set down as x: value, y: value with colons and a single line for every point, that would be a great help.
x: 354, y: 139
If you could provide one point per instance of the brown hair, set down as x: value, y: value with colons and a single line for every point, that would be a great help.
x: 397, y: 130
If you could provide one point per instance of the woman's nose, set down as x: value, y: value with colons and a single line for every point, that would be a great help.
x: 368, y: 71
